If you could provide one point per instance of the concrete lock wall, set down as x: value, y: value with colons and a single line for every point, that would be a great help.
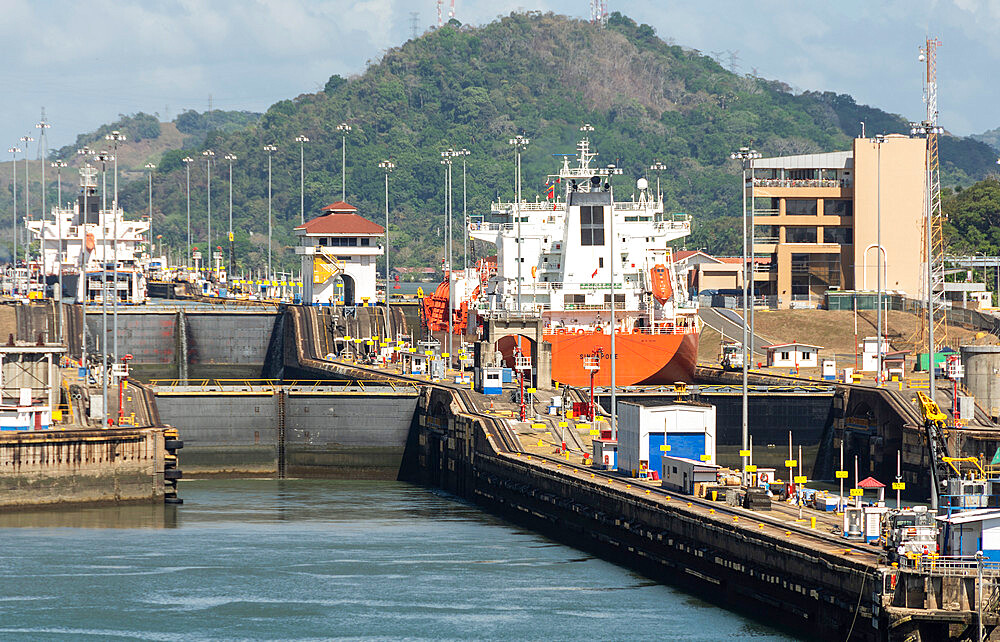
x: 224, y: 434
x: 228, y: 339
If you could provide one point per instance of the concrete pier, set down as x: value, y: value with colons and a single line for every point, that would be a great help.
x: 79, y: 466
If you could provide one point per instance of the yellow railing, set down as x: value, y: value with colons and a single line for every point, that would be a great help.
x: 272, y: 385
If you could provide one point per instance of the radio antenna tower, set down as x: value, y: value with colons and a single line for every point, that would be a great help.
x: 414, y: 24
x: 934, y: 249
x: 440, y: 3
x: 599, y: 12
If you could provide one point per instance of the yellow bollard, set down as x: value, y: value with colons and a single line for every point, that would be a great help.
x: 712, y: 511
x: 760, y: 526
x: 628, y: 485
x: 812, y: 522
x: 689, y: 504
x: 647, y: 492
x: 736, y: 518
x: 715, y: 495
x: 788, y: 533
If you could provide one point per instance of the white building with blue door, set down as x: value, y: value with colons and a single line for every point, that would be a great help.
x: 964, y: 533
x: 648, y: 430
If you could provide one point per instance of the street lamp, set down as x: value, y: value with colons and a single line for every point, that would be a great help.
x: 302, y: 140
x: 447, y: 155
x: 209, y: 155
x: 344, y: 129
x: 150, y: 167
x: 519, y: 143
x: 27, y: 205
x: 58, y: 165
x: 465, y: 210
x: 103, y: 156
x: 387, y: 166
x: 879, y: 139
x: 116, y: 137
x: 187, y: 160
x: 42, y: 126
x: 230, y: 158
x: 14, y: 151
x: 746, y: 157
x: 609, y: 172
x: 269, y: 149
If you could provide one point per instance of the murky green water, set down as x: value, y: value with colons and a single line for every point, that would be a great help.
x: 309, y: 559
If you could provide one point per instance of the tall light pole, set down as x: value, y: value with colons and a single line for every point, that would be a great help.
x: 149, y: 168
x: 269, y: 149
x: 116, y: 138
x: 230, y: 158
x: 746, y: 157
x: 187, y: 160
x: 42, y: 126
x: 344, y: 129
x: 209, y: 155
x: 465, y: 211
x: 302, y: 140
x: 104, y: 157
x: 520, y: 143
x: 611, y: 171
x: 879, y: 139
x: 58, y: 165
x: 387, y: 166
x: 447, y: 155
x: 27, y: 208
x: 14, y: 151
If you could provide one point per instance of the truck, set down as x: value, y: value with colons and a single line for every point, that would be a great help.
x: 909, y: 531
x: 732, y: 355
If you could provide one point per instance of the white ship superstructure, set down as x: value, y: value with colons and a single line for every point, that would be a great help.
x: 562, y: 246
x: 90, y: 238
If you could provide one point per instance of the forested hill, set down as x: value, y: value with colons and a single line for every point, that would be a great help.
x: 540, y: 75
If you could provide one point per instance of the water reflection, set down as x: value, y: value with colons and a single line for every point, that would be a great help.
x: 146, y: 515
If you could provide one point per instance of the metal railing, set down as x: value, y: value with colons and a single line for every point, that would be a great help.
x: 273, y: 385
x: 950, y: 565
x: 814, y: 182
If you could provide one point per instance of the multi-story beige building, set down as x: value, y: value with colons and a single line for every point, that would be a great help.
x: 817, y: 217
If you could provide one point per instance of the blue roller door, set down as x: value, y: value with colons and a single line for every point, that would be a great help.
x: 655, y: 454
x: 687, y: 445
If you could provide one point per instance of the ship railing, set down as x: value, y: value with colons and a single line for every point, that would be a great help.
x: 490, y: 227
x: 666, y: 329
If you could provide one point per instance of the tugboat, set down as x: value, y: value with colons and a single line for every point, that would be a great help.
x: 554, y: 260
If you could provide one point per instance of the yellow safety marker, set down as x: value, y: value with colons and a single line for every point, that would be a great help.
x: 628, y: 485
x: 540, y: 443
x: 800, y: 479
x: 857, y: 492
x: 563, y: 424
x: 736, y: 518
x: 744, y: 453
x: 647, y: 492
x: 899, y: 485
x: 689, y: 504
x: 760, y: 526
x: 841, y: 474
x: 751, y: 468
x: 788, y: 533
x: 791, y: 463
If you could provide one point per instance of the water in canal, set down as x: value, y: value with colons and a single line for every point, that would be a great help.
x: 310, y: 559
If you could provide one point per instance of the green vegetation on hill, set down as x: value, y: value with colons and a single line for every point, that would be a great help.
x: 973, y: 218
x: 540, y: 75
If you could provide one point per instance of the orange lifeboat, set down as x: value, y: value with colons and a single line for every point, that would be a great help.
x: 663, y: 290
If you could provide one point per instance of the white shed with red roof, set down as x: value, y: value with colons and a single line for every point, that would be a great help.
x: 339, y: 247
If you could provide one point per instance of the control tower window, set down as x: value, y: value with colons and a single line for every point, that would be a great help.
x: 591, y: 225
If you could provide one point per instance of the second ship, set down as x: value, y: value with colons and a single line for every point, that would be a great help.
x: 554, y: 259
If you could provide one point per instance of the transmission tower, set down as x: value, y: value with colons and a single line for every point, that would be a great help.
x: 599, y: 12
x: 414, y: 24
x: 934, y: 275
x: 440, y: 8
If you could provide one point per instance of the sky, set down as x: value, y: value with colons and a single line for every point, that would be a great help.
x: 87, y: 62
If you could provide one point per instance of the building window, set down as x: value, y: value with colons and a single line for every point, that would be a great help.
x: 365, y: 242
x: 838, y: 235
x: 800, y: 206
x: 785, y: 356
x: 800, y: 234
x: 323, y: 241
x: 591, y: 225
x: 600, y: 261
x: 838, y: 207
x: 802, y: 174
x: 807, y: 355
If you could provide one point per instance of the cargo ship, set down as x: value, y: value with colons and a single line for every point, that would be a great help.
x: 554, y: 259
x: 89, y: 243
